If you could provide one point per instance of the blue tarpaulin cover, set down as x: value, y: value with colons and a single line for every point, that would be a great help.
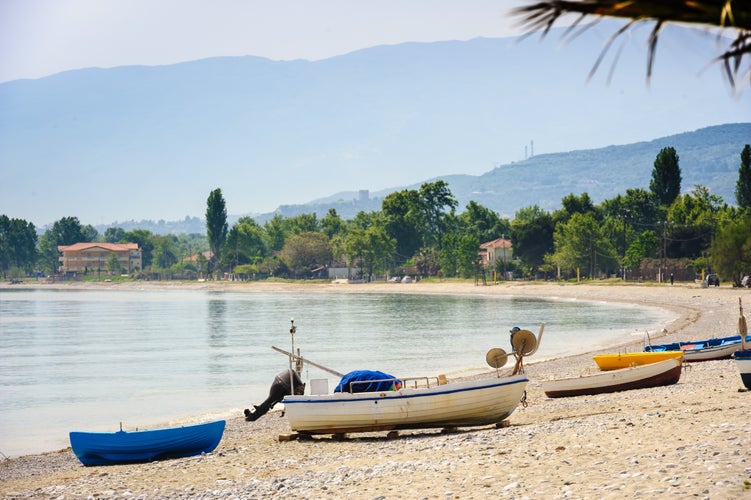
x: 382, y: 382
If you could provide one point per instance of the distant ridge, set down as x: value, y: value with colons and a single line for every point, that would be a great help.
x: 709, y: 156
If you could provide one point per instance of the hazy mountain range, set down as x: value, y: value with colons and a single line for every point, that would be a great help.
x: 138, y: 142
x: 709, y: 157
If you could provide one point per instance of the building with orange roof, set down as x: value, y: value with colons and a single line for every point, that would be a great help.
x: 498, y: 250
x: 87, y: 257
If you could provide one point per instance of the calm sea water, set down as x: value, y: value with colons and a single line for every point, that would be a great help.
x: 91, y: 360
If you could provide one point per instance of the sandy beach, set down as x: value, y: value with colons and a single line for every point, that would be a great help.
x: 689, y: 439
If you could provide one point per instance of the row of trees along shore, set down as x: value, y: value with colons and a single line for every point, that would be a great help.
x: 642, y: 234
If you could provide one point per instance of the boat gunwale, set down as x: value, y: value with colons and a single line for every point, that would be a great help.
x: 420, y: 392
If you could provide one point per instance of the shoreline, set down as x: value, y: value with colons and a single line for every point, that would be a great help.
x: 620, y: 427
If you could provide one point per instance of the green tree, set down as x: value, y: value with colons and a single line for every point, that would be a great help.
x: 245, y: 243
x: 743, y: 185
x: 89, y: 233
x: 486, y: 224
x: 333, y: 225
x: 145, y: 241
x: 276, y: 232
x: 306, y: 251
x: 645, y: 245
x: 449, y: 255
x: 581, y: 204
x: 638, y: 208
x: 113, y: 265
x: 303, y: 223
x: 437, y: 204
x: 364, y: 220
x: 693, y: 219
x: 114, y: 234
x: 403, y: 222
x: 216, y: 226
x: 365, y: 248
x: 18, y: 240
x: 528, y: 214
x: 165, y: 251
x: 731, y: 249
x: 572, y: 204
x: 666, y: 177
x: 580, y: 244
x: 532, y: 237
x: 468, y: 255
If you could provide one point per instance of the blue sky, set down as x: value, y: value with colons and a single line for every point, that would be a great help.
x: 43, y: 37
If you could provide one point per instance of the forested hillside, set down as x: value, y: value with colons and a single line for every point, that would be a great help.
x: 709, y: 157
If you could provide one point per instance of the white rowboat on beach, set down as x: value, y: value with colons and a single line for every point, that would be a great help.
x: 637, y: 377
x: 461, y: 404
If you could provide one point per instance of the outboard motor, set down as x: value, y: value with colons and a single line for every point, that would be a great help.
x: 280, y: 388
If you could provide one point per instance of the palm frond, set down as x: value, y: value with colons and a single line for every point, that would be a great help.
x: 724, y: 14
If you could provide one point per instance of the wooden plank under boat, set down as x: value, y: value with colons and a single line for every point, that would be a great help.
x: 702, y: 350
x: 616, y: 361
x: 637, y: 377
x: 460, y: 404
x: 107, y: 448
x: 743, y: 363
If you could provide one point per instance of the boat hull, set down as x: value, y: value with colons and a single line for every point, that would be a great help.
x: 463, y: 404
x: 638, y: 377
x: 617, y: 361
x: 743, y: 362
x: 107, y: 448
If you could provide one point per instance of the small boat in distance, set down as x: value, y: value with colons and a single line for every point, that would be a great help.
x: 616, y: 361
x: 109, y: 448
x: 702, y: 350
x: 637, y: 377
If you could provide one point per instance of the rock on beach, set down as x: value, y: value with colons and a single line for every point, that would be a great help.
x: 691, y: 439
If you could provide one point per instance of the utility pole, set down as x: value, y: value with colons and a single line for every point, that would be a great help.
x: 624, y: 215
x: 664, y: 249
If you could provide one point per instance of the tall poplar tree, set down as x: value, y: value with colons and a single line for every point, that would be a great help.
x: 666, y: 177
x: 216, y: 225
x: 743, y: 186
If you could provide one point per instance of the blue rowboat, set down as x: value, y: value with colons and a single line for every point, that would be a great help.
x: 108, y: 448
x: 743, y: 362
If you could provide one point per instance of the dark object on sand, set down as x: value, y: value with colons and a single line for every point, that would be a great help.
x: 281, y: 387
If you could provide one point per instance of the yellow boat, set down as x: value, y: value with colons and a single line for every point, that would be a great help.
x: 619, y: 360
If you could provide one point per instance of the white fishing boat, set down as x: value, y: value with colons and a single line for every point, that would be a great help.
x: 461, y: 404
x: 637, y: 377
x: 367, y: 401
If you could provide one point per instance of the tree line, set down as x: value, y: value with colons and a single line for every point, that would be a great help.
x: 640, y: 234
